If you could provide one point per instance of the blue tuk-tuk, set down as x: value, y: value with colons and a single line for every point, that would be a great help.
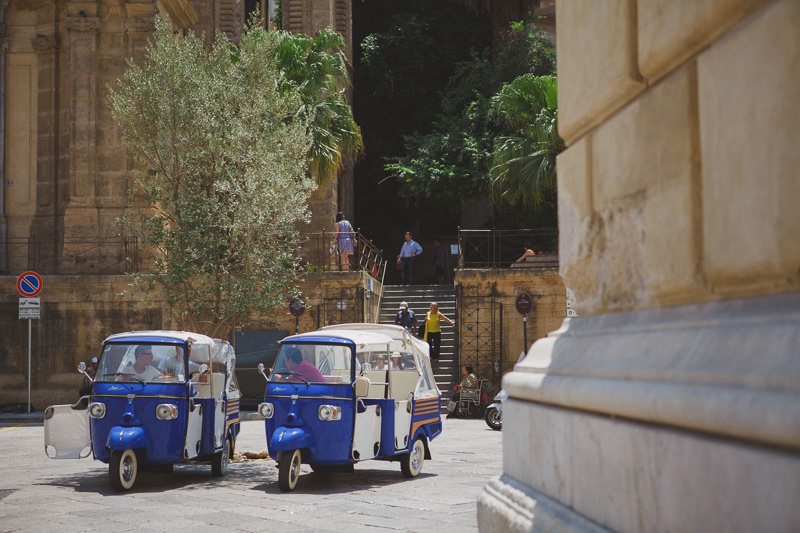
x: 345, y: 394
x: 158, y: 398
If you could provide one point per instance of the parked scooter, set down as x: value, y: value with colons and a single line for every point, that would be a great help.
x: 494, y: 411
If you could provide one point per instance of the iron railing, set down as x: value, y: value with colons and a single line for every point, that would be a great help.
x: 493, y: 248
x: 320, y: 250
x: 120, y: 255
x: 72, y: 255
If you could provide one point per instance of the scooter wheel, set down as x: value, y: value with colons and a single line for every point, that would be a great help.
x: 219, y: 464
x: 122, y: 469
x: 288, y: 469
x: 411, y: 463
x: 493, y: 419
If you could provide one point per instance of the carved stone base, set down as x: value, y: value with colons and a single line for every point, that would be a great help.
x: 673, y: 419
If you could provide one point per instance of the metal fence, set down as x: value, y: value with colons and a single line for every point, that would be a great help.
x: 492, y: 248
x: 120, y: 255
x: 71, y: 255
x: 320, y: 250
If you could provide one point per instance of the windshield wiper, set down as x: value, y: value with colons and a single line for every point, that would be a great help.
x: 124, y: 374
x: 290, y: 373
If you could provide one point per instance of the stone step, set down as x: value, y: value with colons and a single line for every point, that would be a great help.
x: 419, y: 298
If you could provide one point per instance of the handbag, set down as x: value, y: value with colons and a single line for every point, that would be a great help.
x: 421, y: 330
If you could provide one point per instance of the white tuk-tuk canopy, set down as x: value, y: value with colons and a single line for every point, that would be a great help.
x: 216, y: 353
x: 399, y: 340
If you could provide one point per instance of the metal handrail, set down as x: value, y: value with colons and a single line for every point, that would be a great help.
x: 320, y: 251
x: 48, y: 255
x: 493, y: 248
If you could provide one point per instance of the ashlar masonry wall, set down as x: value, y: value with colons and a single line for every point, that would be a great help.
x: 672, y: 403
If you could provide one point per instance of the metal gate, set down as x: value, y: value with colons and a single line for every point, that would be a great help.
x: 480, y: 321
x: 342, y: 309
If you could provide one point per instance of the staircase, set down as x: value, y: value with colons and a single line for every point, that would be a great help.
x: 419, y: 298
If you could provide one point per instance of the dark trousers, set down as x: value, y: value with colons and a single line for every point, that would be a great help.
x: 435, y: 343
x: 408, y: 269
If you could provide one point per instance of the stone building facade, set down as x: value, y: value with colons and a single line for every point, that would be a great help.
x: 491, y: 332
x: 672, y: 403
x: 64, y: 173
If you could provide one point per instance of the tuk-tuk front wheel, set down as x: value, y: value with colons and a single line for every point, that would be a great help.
x: 411, y: 463
x: 122, y: 469
x: 288, y: 469
x: 219, y: 464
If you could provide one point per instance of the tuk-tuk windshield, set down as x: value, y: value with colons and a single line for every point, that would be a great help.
x: 163, y: 363
x: 313, y: 363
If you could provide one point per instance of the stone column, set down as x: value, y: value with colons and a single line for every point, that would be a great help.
x: 3, y: 223
x: 672, y: 403
x: 45, y: 227
x: 81, y: 217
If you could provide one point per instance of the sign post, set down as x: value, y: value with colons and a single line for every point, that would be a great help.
x: 296, y: 309
x: 524, y: 305
x: 29, y: 284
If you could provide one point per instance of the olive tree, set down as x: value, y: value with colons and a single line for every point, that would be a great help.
x: 220, y: 155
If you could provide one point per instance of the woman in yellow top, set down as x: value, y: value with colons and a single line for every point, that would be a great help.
x: 433, y: 329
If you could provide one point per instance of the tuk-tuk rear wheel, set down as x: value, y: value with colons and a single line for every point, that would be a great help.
x: 219, y: 464
x: 288, y: 469
x: 122, y: 469
x: 411, y: 463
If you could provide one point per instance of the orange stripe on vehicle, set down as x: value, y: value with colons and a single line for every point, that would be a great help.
x: 419, y: 423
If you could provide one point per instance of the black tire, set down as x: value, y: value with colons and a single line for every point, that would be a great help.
x: 288, y: 469
x: 493, y: 419
x: 122, y: 469
x: 411, y: 463
x: 219, y: 464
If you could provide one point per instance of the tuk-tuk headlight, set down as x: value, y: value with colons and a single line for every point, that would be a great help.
x: 97, y: 410
x: 166, y: 411
x: 266, y: 410
x: 329, y: 412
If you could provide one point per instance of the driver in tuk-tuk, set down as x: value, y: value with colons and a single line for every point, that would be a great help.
x: 143, y: 368
x: 302, y: 368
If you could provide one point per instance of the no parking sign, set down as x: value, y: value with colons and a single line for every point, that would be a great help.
x: 29, y: 284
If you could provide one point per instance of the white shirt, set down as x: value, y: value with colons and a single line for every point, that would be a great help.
x: 148, y: 374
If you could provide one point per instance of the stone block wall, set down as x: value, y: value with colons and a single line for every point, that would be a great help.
x: 680, y: 178
x: 491, y: 332
x: 671, y: 403
x: 78, y: 312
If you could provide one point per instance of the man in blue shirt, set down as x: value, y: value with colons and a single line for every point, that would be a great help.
x: 408, y: 254
x: 406, y: 318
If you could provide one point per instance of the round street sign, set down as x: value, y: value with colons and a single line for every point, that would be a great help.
x: 524, y: 304
x: 296, y: 308
x: 29, y: 284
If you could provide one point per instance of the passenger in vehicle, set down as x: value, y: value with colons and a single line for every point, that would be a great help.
x: 397, y: 362
x: 143, y: 369
x: 302, y: 368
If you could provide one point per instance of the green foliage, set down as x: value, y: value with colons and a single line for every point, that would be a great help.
x: 452, y: 161
x: 318, y: 69
x: 222, y: 152
x: 523, y: 171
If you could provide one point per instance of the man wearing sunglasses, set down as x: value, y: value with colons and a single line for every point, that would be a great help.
x: 143, y: 369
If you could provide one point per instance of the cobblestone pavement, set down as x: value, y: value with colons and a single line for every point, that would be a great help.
x: 41, y: 494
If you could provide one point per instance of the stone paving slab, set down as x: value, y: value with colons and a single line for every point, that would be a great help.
x: 41, y: 494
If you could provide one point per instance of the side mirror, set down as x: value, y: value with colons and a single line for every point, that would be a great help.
x: 261, y: 371
x: 361, y: 387
x: 365, y: 369
x: 82, y: 370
